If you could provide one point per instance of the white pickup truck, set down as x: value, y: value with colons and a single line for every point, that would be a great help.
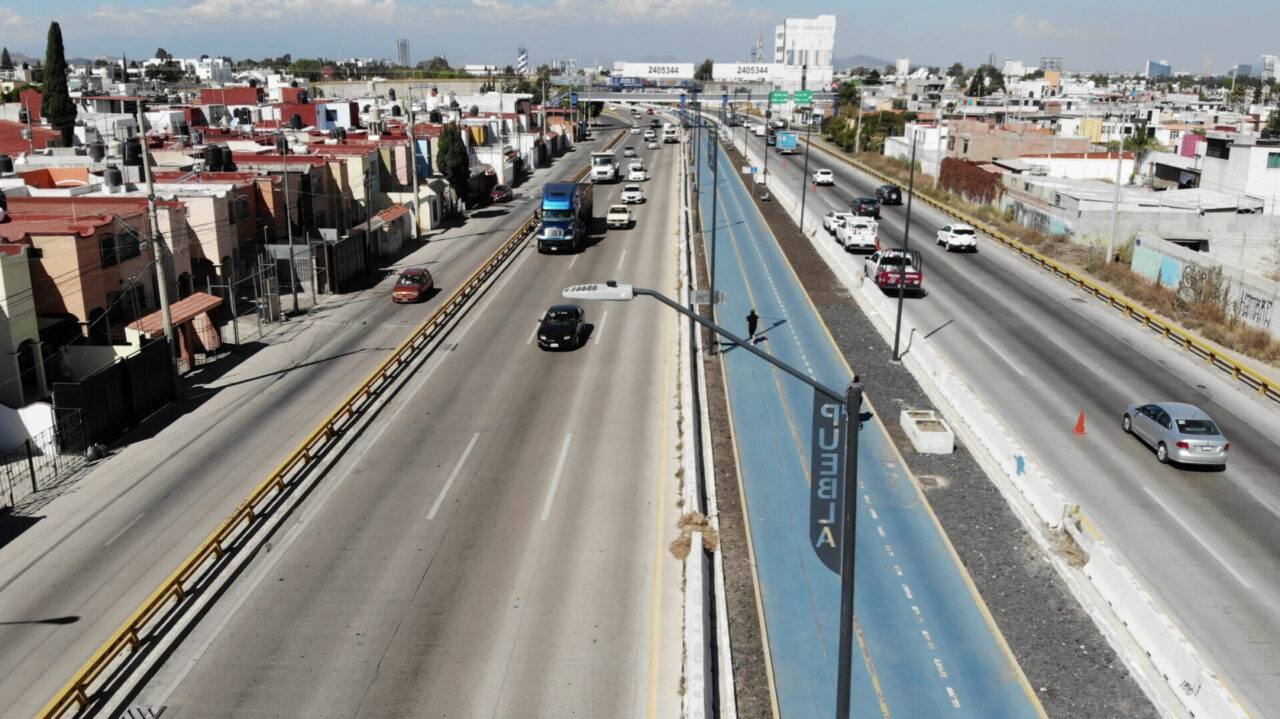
x: 619, y: 216
x: 858, y: 233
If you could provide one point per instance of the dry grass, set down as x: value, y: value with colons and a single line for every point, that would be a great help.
x: 689, y: 523
x: 1209, y: 319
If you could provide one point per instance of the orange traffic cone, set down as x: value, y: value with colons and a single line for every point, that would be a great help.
x: 1080, y: 424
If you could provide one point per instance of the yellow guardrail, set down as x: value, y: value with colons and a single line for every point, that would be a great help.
x: 1168, y: 330
x: 78, y: 692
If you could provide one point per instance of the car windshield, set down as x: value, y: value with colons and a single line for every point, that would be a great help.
x: 631, y: 188
x: 962, y: 231
x: 1197, y: 426
x: 410, y: 279
x: 895, y: 260
x: 559, y: 317
x: 557, y: 215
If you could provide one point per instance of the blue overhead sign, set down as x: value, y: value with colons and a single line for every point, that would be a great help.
x: 573, y: 99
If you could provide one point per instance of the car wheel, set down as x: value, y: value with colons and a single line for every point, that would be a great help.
x: 1127, y: 424
x: 1162, y: 453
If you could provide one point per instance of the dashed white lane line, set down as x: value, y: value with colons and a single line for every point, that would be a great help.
x: 449, y: 482
x: 622, y: 259
x: 575, y: 259
x: 880, y: 530
x: 955, y: 700
x: 124, y: 529
x: 532, y: 335
x: 555, y: 480
x: 907, y: 591
x: 1001, y: 355
x: 942, y: 672
x: 1194, y: 535
x: 599, y: 329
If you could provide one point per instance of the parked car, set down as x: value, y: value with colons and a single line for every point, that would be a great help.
x: 834, y: 219
x: 958, y: 236
x: 889, y: 194
x: 629, y: 151
x: 866, y: 207
x: 632, y: 193
x: 562, y: 327
x: 824, y: 177
x: 412, y: 286
x: 502, y: 193
x: 1180, y: 433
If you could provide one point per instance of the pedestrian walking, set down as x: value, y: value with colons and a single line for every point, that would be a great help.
x: 753, y: 321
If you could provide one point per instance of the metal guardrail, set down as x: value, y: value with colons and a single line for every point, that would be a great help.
x: 1168, y: 330
x: 78, y: 692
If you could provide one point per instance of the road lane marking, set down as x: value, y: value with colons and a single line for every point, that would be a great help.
x: 124, y: 529
x: 880, y: 529
x: 942, y: 673
x: 655, y: 621
x: 449, y: 482
x: 1221, y: 560
x: 599, y: 329
x: 907, y: 591
x: 1001, y: 355
x: 955, y: 700
x: 928, y: 640
x: 575, y: 259
x: 532, y: 335
x: 622, y: 259
x: 555, y: 480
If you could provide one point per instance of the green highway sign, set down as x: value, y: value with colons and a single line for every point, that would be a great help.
x: 778, y: 97
x: 803, y: 97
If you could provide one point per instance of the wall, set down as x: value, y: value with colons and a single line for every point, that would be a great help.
x: 1252, y: 298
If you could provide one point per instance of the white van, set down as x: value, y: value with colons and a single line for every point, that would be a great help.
x: 670, y: 134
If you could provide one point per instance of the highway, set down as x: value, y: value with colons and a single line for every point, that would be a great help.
x: 1040, y: 353
x: 98, y: 547
x: 498, y: 544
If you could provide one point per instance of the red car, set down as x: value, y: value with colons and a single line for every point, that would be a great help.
x: 649, y: 111
x: 413, y: 285
x: 501, y: 193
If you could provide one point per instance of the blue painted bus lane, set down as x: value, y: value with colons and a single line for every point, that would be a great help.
x: 927, y: 647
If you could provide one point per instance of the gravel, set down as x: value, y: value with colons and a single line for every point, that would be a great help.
x: 1069, y: 663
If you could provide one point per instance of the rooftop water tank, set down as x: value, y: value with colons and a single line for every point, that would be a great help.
x: 295, y: 121
x: 6, y: 165
x: 133, y: 152
x: 114, y: 179
x: 97, y: 151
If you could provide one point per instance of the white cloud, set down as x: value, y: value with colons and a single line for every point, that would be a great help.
x: 205, y: 11
x: 1043, y: 28
x: 9, y: 18
x: 581, y: 12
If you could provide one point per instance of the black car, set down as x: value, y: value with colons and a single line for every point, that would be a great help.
x: 866, y: 207
x: 562, y: 327
x: 655, y: 122
x: 889, y: 194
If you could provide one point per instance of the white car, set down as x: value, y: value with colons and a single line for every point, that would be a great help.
x: 653, y: 145
x: 650, y: 134
x: 824, y: 177
x: 834, y: 219
x: 632, y: 193
x: 635, y: 130
x: 637, y: 173
x: 628, y: 151
x: 858, y: 233
x: 958, y: 236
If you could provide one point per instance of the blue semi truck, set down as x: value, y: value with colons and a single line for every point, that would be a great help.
x: 566, y: 216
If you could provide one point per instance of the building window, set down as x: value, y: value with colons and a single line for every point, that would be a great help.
x: 1273, y: 159
x: 127, y: 246
x: 107, y: 250
x: 330, y: 115
x: 242, y: 209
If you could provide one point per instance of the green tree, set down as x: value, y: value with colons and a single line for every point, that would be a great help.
x: 848, y: 95
x: 1273, y: 122
x: 704, y: 72
x: 438, y: 64
x: 956, y: 70
x: 452, y: 158
x: 56, y: 104
x: 890, y: 69
x: 6, y: 63
x: 162, y: 55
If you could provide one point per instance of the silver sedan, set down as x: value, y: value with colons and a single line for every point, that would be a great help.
x: 1180, y: 433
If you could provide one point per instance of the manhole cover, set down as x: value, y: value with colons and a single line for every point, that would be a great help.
x: 933, y: 480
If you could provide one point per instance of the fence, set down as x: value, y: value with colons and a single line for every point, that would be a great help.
x: 41, y: 460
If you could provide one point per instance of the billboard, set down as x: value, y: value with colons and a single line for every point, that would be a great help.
x: 658, y: 70
x: 746, y: 72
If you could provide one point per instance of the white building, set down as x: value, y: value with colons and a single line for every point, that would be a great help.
x: 1270, y: 66
x: 805, y: 47
x: 1243, y: 165
x: 902, y: 66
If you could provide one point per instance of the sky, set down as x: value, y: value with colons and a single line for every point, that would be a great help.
x: 1119, y: 35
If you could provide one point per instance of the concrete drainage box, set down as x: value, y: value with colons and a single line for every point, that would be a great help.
x: 928, y: 432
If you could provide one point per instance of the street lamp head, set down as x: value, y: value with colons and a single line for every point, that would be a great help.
x: 611, y: 291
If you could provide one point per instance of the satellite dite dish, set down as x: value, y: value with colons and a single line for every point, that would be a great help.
x: 610, y: 290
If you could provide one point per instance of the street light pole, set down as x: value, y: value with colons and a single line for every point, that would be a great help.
x: 851, y: 401
x: 288, y: 219
x: 804, y: 174
x: 906, y: 240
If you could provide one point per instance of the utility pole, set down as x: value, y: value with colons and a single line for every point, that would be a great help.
x: 1115, y: 210
x: 413, y: 148
x: 283, y: 143
x: 158, y: 250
